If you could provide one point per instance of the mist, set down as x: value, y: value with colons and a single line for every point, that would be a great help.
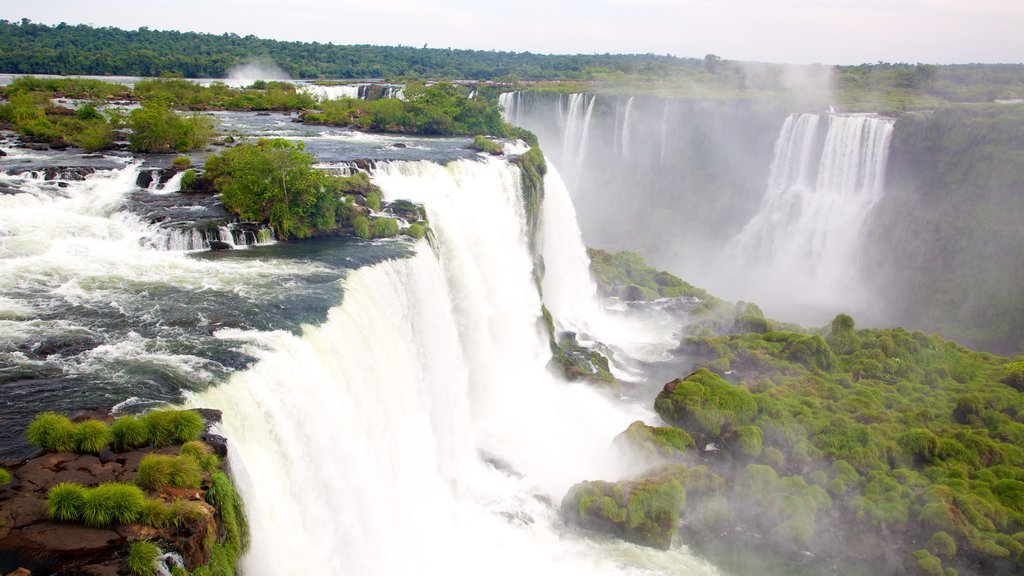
x: 246, y: 74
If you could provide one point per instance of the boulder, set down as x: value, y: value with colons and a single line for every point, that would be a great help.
x: 654, y: 443
x: 643, y: 510
x: 217, y: 245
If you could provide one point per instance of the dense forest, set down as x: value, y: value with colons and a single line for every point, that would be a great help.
x: 30, y: 48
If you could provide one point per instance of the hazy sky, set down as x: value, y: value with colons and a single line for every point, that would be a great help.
x: 795, y: 31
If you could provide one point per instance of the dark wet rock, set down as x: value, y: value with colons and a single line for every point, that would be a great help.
x: 59, y: 145
x: 219, y: 444
x: 146, y: 178
x: 2, y: 153
x: 37, y: 146
x: 64, y: 345
x: 217, y: 245
x: 263, y: 113
x: 365, y: 164
x: 399, y: 145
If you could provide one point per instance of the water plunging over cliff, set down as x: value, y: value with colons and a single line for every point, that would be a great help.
x: 806, y: 238
x: 418, y: 430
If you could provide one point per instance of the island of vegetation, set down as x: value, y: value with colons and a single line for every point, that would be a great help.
x: 138, y: 495
x: 889, y: 449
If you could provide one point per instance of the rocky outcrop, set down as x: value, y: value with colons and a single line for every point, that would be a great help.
x: 654, y: 443
x: 643, y: 510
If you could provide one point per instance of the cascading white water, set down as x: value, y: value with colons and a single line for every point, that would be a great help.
x: 806, y: 236
x: 511, y: 107
x: 384, y: 440
x: 664, y: 130
x: 625, y: 128
x: 571, y: 294
x: 576, y: 116
x: 331, y: 92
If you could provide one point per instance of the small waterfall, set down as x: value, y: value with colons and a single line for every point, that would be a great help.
x: 808, y: 232
x: 625, y: 128
x: 664, y: 130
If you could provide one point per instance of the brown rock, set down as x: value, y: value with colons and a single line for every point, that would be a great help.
x: 69, y: 539
x: 21, y: 572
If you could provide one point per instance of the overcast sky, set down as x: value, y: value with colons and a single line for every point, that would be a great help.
x: 794, y: 31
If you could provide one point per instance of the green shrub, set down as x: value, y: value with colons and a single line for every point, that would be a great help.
x: 92, y: 436
x: 182, y: 162
x: 202, y: 454
x: 129, y: 433
x: 188, y: 179
x: 1013, y: 375
x: 124, y: 501
x: 94, y: 136
x: 168, y: 427
x: 5, y: 477
x: 52, y: 432
x: 384, y: 227
x: 485, y: 144
x: 373, y: 201
x: 416, y: 231
x: 157, y: 471
x: 361, y: 227
x: 925, y: 564
x: 942, y: 544
x: 142, y: 558
x: 157, y: 128
x: 64, y: 502
x: 750, y: 440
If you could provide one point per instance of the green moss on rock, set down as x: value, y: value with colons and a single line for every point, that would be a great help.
x: 644, y: 510
x: 705, y: 403
x: 655, y: 442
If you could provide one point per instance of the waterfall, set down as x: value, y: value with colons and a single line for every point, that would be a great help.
x: 384, y: 440
x: 625, y: 128
x: 571, y: 294
x: 511, y: 107
x: 664, y: 130
x: 806, y: 237
x: 578, y: 110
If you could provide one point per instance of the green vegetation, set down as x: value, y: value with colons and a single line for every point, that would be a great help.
x: 186, y: 95
x: 142, y: 558
x: 644, y: 510
x: 92, y: 436
x: 52, y: 432
x: 182, y: 162
x: 231, y: 515
x: 439, y: 109
x: 158, y: 471
x: 486, y: 145
x: 5, y: 477
x: 158, y: 128
x: 625, y: 275
x: 64, y: 502
x: 37, y: 119
x: 884, y: 429
x: 655, y: 442
x: 168, y: 427
x: 129, y: 432
x: 577, y: 362
x: 56, y: 433
x: 274, y: 181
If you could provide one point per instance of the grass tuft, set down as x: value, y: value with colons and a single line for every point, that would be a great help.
x: 5, y: 477
x: 129, y: 433
x: 64, y: 502
x: 142, y: 558
x: 202, y: 454
x: 52, y: 432
x: 168, y: 427
x: 92, y: 436
x: 157, y: 471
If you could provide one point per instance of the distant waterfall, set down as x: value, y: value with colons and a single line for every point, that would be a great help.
x: 807, y: 234
x: 625, y: 128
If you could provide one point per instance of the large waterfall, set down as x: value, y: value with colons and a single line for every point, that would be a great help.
x: 418, y: 429
x: 700, y: 189
x: 807, y: 236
